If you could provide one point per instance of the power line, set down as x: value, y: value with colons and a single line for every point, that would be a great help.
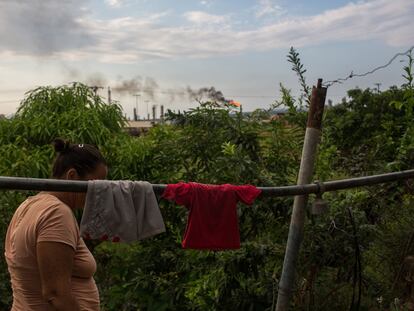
x: 353, y: 75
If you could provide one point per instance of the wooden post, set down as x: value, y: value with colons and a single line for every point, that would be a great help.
x: 312, y: 139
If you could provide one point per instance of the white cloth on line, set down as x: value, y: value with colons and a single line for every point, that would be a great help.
x: 123, y: 211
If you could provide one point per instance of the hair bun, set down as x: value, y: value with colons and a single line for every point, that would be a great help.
x: 61, y: 145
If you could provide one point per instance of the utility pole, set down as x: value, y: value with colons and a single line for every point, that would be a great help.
x: 136, y: 103
x: 378, y: 86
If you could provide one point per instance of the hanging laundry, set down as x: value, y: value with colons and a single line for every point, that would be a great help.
x: 212, y: 221
x: 120, y: 211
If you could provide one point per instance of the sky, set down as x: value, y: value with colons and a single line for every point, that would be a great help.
x: 166, y: 51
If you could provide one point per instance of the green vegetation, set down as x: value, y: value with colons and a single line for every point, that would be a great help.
x: 368, y: 133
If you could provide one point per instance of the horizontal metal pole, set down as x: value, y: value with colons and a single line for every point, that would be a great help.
x: 39, y: 184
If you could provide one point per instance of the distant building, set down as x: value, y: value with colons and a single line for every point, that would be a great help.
x: 139, y: 127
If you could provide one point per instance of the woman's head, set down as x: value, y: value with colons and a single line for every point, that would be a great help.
x: 77, y: 162
x: 80, y: 161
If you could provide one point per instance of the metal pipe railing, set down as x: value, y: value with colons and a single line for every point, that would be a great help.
x: 39, y: 184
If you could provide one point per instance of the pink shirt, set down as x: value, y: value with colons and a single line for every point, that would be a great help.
x: 45, y: 218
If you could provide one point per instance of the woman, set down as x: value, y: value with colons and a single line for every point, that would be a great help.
x: 49, y: 264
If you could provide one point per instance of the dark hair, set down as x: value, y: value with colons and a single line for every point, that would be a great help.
x: 84, y: 158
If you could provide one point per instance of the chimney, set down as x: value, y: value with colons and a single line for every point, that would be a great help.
x: 162, y: 112
x: 135, y: 114
x: 109, y: 96
x: 153, y: 112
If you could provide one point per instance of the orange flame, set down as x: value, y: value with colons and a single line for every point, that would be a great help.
x: 234, y: 103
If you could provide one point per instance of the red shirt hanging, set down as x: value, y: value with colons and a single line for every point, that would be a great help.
x: 212, y: 221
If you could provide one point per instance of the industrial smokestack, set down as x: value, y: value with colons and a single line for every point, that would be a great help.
x: 154, y: 107
x: 109, y: 96
x: 162, y: 112
x: 135, y: 114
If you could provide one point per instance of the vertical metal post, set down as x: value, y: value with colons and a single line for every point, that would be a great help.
x: 312, y: 139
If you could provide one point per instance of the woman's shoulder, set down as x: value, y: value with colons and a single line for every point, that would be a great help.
x: 47, y: 205
x: 46, y: 199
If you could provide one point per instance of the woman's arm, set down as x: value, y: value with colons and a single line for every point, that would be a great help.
x: 55, y: 262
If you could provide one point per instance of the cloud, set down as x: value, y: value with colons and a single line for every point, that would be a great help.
x: 206, y: 3
x: 42, y: 27
x: 199, y: 17
x: 268, y: 8
x: 114, y: 3
x: 383, y: 20
x: 72, y: 34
